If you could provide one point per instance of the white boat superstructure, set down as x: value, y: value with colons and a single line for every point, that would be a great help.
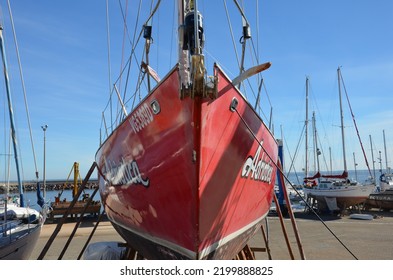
x: 386, y: 181
x: 20, y: 229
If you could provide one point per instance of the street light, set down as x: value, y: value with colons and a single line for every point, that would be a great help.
x: 44, y: 127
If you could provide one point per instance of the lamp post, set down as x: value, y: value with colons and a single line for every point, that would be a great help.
x: 44, y: 127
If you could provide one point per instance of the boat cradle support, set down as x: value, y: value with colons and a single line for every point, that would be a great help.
x: 66, y: 214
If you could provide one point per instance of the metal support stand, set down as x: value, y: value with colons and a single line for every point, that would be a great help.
x: 65, y: 215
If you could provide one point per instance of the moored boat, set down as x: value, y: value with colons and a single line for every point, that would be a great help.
x: 190, y: 172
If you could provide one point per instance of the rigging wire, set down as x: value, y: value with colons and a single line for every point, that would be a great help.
x: 23, y: 88
x: 296, y: 153
x: 231, y: 31
x: 172, y: 33
x: 7, y: 155
x: 127, y: 65
x: 123, y: 44
x: 125, y: 34
x: 287, y: 179
x: 241, y: 11
x: 356, y: 127
x: 257, y: 27
x: 135, y: 42
x: 323, y: 153
x: 254, y: 50
x: 109, y: 64
x: 158, y: 40
x: 315, y: 103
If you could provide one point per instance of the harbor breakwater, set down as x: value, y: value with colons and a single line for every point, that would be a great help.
x: 52, y: 185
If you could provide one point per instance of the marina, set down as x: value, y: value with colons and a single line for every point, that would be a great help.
x: 188, y: 164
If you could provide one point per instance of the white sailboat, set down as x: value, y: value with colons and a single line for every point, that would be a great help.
x: 20, y: 226
x: 337, y: 192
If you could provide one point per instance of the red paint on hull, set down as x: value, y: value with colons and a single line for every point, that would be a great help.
x: 177, y: 181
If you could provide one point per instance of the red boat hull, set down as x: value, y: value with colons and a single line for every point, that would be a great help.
x: 188, y: 178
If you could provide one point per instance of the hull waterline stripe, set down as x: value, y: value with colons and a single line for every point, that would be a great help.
x: 229, y: 237
x: 186, y: 252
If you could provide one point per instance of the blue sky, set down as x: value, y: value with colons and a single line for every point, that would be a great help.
x: 63, y: 48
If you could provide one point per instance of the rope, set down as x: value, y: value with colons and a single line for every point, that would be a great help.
x: 287, y: 179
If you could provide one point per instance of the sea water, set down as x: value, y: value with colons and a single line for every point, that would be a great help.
x: 295, y: 178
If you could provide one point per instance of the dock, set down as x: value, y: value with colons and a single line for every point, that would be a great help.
x: 59, y: 208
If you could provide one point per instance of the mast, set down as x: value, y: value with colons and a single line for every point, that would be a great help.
x: 342, y: 121
x: 191, y: 39
x: 11, y: 113
x: 183, y: 54
x: 380, y: 162
x: 330, y: 161
x: 306, y: 132
x: 246, y: 36
x: 355, y: 164
x: 386, y: 155
x: 372, y: 158
x: 356, y: 127
x: 196, y: 28
x: 317, y: 150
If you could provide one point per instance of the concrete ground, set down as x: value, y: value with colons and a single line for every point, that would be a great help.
x: 337, y: 238
x: 363, y: 239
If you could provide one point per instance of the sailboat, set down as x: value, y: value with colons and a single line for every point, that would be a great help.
x: 383, y: 198
x: 20, y: 225
x: 189, y: 172
x: 20, y: 228
x: 338, y: 192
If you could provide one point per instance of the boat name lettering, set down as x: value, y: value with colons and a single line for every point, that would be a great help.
x: 259, y: 166
x: 125, y: 173
x: 141, y: 118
